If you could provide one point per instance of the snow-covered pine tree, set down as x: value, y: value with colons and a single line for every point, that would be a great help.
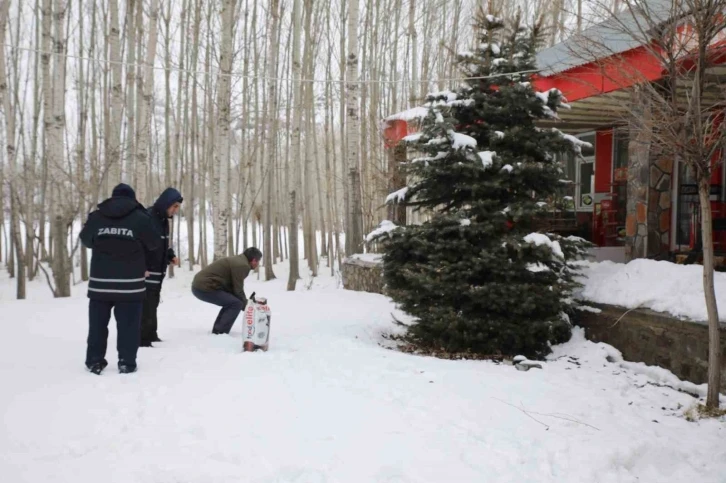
x: 478, y: 276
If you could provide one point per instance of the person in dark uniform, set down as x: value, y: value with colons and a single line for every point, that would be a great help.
x: 165, y: 208
x: 120, y: 233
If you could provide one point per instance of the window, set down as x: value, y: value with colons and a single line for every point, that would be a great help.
x: 585, y: 181
x: 580, y: 171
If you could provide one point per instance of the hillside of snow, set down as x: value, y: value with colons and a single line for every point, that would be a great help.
x: 656, y: 285
x: 327, y: 403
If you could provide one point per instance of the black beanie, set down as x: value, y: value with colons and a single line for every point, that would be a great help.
x: 124, y: 190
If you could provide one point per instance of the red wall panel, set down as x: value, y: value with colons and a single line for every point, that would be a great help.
x: 603, y: 161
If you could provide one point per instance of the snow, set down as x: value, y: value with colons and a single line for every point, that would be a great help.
x: 492, y: 19
x: 462, y: 140
x: 537, y: 267
x: 496, y: 50
x: 447, y: 94
x: 439, y: 155
x: 656, y: 285
x: 327, y: 403
x: 508, y: 168
x: 397, y: 196
x: 499, y: 134
x: 413, y: 114
x: 499, y: 61
x: 487, y: 158
x: 412, y: 138
x: 577, y: 143
x: 385, y: 226
x: 465, y: 222
x: 367, y: 257
x: 542, y: 239
x: 438, y: 140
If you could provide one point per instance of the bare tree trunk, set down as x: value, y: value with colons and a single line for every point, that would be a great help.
x: 113, y: 135
x: 714, y: 343
x: 56, y: 149
x: 221, y: 179
x: 30, y: 170
x: 146, y: 108
x: 296, y: 122
x: 81, y: 142
x: 194, y: 159
x: 10, y: 149
x: 129, y: 170
x: 271, y: 132
x: 355, y: 216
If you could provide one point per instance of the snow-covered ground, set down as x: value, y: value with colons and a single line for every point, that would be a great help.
x: 660, y: 286
x: 327, y: 403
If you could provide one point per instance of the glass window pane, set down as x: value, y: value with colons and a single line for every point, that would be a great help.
x: 590, y: 138
x: 587, y: 173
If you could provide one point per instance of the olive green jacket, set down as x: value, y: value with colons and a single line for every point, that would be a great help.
x: 227, y: 274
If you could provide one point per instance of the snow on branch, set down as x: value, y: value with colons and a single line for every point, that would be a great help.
x: 496, y: 50
x: 439, y: 155
x: 461, y: 140
x: 487, y: 158
x: 397, y: 196
x: 413, y: 114
x: 385, y: 227
x: 577, y: 143
x: 540, y: 239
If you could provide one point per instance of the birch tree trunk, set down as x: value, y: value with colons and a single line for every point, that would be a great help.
x: 295, y: 148
x: 56, y: 149
x: 113, y: 134
x: 81, y: 141
x: 221, y: 158
x: 271, y: 132
x: 355, y: 216
x: 129, y: 170
x: 146, y: 109
x: 11, y: 150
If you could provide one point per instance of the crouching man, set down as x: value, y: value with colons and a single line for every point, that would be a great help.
x: 119, y: 232
x: 222, y: 283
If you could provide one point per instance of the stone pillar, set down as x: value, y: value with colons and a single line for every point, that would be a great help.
x: 636, y: 222
x: 659, y: 205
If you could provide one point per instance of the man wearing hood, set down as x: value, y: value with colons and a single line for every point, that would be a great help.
x: 120, y: 233
x: 165, y: 208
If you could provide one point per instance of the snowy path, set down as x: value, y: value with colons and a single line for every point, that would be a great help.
x: 326, y: 404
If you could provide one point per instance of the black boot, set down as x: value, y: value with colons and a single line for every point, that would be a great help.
x: 125, y: 368
x: 156, y: 339
x: 97, y: 368
x: 145, y: 343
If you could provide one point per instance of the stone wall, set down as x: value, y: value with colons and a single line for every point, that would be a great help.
x: 659, y: 205
x: 362, y: 274
x: 636, y: 221
x: 655, y: 339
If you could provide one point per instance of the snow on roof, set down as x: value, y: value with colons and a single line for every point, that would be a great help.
x: 616, y: 35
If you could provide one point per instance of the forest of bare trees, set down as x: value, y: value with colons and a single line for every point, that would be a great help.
x: 266, y: 114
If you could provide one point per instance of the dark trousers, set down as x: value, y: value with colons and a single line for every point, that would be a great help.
x: 128, y: 323
x: 149, y: 321
x: 231, y: 307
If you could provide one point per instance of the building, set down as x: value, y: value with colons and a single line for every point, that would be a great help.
x: 629, y: 197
